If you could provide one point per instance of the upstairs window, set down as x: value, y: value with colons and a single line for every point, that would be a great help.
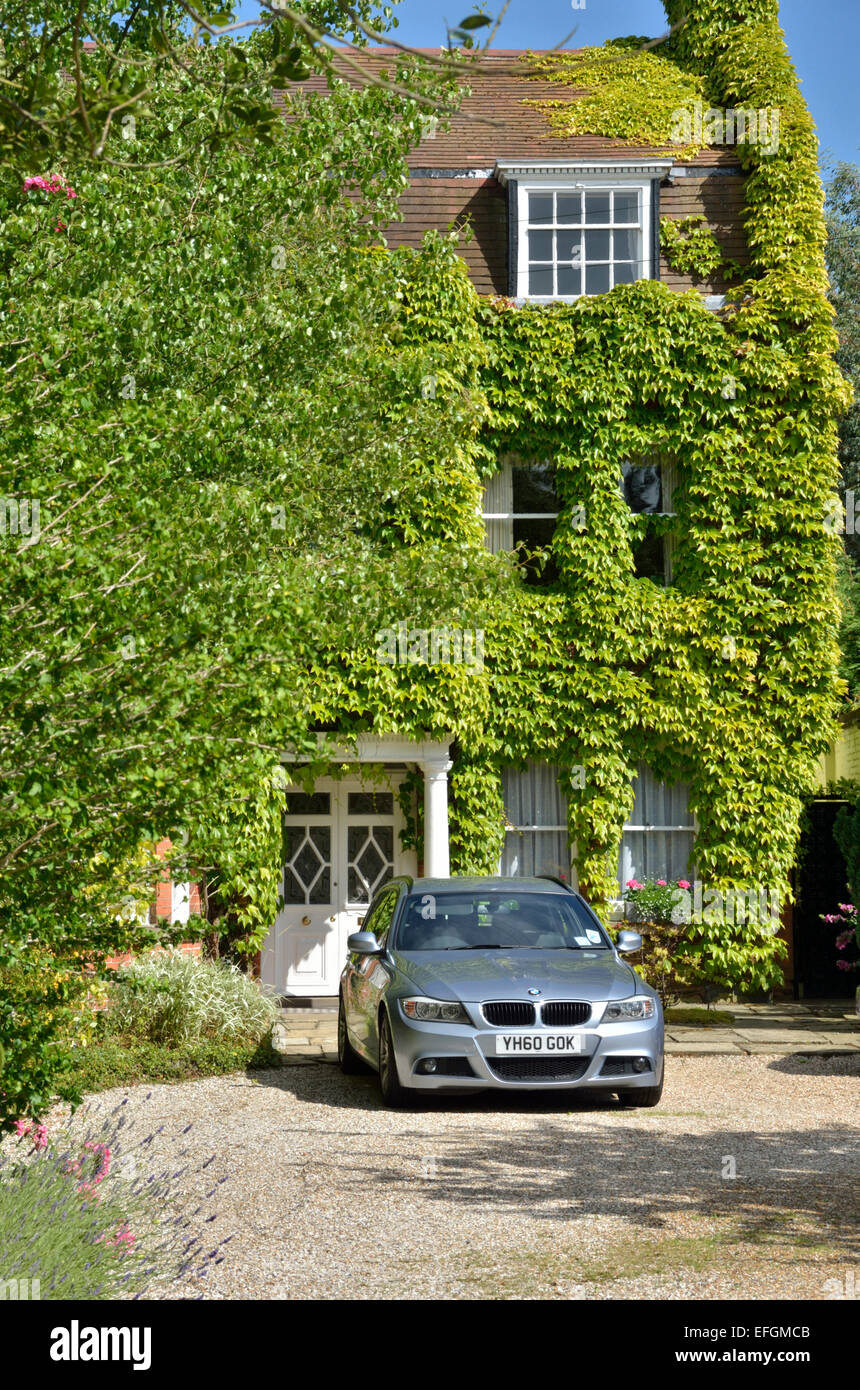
x: 520, y: 512
x: 583, y: 238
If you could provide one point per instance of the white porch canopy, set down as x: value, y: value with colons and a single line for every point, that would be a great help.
x: 431, y: 756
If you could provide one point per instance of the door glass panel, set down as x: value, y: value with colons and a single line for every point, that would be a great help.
x: 370, y: 852
x: 308, y: 803
x: 307, y: 871
x: 370, y: 803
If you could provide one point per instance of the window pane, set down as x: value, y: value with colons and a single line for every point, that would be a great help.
x: 626, y: 207
x: 534, y: 489
x: 569, y: 281
x: 596, y: 279
x: 642, y: 488
x: 533, y: 796
x: 307, y: 872
x: 370, y: 803
x: 626, y: 246
x: 540, y: 279
x: 540, y: 246
x: 656, y: 853
x: 568, y: 246
x: 648, y: 559
x: 534, y: 535
x: 597, y: 246
x: 540, y: 207
x: 597, y: 207
x: 308, y: 803
x: 625, y: 274
x: 568, y: 207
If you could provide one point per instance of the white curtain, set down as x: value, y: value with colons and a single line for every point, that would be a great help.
x: 656, y: 842
x: 533, y: 798
x: 499, y: 503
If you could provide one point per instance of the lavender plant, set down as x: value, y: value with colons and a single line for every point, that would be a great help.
x: 92, y: 1214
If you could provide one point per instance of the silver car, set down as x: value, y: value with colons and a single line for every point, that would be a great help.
x: 467, y: 984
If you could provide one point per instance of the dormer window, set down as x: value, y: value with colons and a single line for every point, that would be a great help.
x: 582, y: 242
x: 580, y: 229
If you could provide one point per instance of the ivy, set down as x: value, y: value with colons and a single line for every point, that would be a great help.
x: 692, y: 249
x: 621, y: 91
x: 727, y: 678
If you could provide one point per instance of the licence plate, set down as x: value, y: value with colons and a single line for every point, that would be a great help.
x: 529, y: 1042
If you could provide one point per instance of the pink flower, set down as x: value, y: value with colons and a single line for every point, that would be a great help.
x: 844, y: 965
x: 22, y: 1127
x: 683, y: 883
x: 661, y: 883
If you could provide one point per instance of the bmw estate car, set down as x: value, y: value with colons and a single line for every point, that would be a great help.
x: 465, y: 984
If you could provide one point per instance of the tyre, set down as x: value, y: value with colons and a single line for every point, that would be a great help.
x: 350, y: 1062
x: 644, y: 1098
x: 394, y: 1095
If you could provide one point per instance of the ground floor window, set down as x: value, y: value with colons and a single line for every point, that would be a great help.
x: 536, y: 841
x: 658, y: 838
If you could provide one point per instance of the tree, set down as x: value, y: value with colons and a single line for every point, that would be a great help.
x: 209, y: 418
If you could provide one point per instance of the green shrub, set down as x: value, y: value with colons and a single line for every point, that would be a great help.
x: 115, y: 1063
x: 170, y: 997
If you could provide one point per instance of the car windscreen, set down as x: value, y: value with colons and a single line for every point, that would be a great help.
x: 498, y: 920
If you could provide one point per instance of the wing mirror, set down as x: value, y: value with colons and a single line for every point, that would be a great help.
x: 363, y: 943
x: 628, y: 941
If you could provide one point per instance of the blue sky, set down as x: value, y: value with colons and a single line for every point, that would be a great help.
x: 823, y: 39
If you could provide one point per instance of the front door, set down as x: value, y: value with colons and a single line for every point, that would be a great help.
x: 341, y: 843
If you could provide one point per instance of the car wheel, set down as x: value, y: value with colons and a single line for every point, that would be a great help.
x: 350, y: 1062
x: 644, y: 1098
x: 394, y: 1095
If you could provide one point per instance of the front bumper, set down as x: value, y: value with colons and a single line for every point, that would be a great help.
x: 453, y: 1043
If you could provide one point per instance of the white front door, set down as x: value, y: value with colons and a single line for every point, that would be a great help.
x: 341, y: 843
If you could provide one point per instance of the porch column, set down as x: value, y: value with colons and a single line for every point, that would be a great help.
x: 437, y: 861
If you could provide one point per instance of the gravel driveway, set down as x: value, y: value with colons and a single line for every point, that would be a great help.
x: 331, y: 1196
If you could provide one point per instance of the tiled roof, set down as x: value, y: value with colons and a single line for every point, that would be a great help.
x: 519, y: 132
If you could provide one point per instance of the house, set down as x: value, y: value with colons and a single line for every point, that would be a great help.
x: 681, y: 750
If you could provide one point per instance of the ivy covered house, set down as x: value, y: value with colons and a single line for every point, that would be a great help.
x: 633, y: 326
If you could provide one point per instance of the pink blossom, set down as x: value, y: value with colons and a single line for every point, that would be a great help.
x: 844, y: 965
x: 683, y: 883
x: 661, y: 883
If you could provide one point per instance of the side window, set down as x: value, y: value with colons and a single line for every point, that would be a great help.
x: 380, y: 917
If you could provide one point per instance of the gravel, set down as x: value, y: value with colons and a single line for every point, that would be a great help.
x: 329, y: 1195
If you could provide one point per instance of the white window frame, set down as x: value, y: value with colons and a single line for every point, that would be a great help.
x: 571, y: 176
x: 505, y: 474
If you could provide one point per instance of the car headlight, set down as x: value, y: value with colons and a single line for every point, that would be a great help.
x: 622, y: 1010
x: 434, y: 1011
